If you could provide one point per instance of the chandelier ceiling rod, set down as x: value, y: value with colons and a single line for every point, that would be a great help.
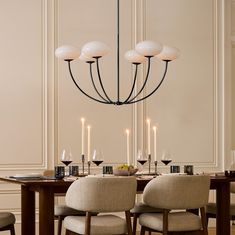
x: 93, y: 51
x: 118, y: 52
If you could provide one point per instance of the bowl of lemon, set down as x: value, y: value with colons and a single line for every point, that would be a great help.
x: 124, y: 170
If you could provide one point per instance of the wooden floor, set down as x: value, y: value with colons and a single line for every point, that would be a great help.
x: 211, y: 231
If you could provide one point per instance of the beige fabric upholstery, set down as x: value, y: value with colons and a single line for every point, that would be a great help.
x: 211, y: 208
x: 104, y: 194
x: 105, y: 224
x: 143, y: 208
x: 6, y: 218
x: 65, y: 210
x: 177, y: 221
x: 177, y: 192
x: 232, y: 187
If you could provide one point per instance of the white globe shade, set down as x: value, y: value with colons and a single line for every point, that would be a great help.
x: 169, y: 53
x: 67, y: 52
x: 148, y: 48
x: 134, y: 57
x: 85, y: 58
x: 95, y: 49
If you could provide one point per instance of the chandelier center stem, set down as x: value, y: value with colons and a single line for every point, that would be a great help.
x: 118, y: 52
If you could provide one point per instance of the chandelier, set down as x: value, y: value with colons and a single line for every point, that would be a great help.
x: 92, y: 52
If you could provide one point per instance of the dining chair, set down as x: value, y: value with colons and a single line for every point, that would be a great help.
x: 106, y: 195
x: 7, y: 221
x: 139, y: 209
x: 211, y: 207
x: 175, y: 195
x: 61, y: 210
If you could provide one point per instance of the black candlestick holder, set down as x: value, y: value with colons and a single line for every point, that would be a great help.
x: 149, y: 160
x: 89, y: 167
x: 155, y: 168
x: 83, y: 163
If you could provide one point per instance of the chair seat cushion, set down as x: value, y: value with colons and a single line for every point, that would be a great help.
x: 6, y: 219
x: 211, y: 208
x: 65, y: 210
x: 143, y: 208
x: 101, y: 224
x: 177, y: 221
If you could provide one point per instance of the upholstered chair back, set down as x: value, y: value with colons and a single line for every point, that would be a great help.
x: 177, y: 192
x: 232, y: 187
x: 103, y: 194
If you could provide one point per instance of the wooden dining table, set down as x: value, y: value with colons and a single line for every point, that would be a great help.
x: 48, y: 188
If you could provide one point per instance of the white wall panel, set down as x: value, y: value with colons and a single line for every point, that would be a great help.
x: 233, y: 98
x: 233, y: 18
x: 22, y: 84
x: 186, y: 107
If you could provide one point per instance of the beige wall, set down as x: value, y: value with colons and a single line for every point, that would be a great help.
x: 233, y: 72
x: 41, y: 108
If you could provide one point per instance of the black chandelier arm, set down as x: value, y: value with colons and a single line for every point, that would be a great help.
x: 80, y: 89
x: 163, y: 77
x: 101, y: 84
x: 133, y: 86
x: 93, y: 83
x: 145, y: 82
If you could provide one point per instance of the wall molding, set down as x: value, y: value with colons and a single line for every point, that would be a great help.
x: 218, y: 70
x: 43, y: 164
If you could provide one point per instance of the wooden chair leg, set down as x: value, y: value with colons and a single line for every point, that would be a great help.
x: 142, y: 230
x: 135, y: 217
x: 66, y: 232
x: 88, y: 223
x: 165, y: 222
x: 128, y: 222
x: 204, y: 222
x: 12, y: 229
x: 60, y: 219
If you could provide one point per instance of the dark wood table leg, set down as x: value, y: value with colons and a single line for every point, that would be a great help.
x: 223, y: 205
x: 46, y: 211
x: 27, y: 211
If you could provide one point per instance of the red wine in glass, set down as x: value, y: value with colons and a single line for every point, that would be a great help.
x: 66, y: 159
x: 166, y: 161
x: 97, y: 162
x: 142, y: 162
x: 97, y: 157
x: 66, y: 162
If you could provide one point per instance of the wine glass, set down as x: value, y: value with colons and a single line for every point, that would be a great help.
x: 66, y: 159
x: 97, y: 157
x: 166, y: 158
x: 141, y: 159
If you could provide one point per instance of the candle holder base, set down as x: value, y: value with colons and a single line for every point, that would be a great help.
x: 155, y: 168
x: 89, y: 167
x: 83, y: 163
x: 149, y: 160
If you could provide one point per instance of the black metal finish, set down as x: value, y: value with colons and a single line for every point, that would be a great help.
x: 88, y: 167
x: 149, y: 160
x: 118, y: 53
x: 155, y: 167
x: 103, y: 96
x: 83, y: 162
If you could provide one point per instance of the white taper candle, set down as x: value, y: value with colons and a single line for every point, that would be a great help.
x: 155, y: 143
x: 83, y: 134
x: 88, y: 143
x: 148, y: 136
x: 128, y: 146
